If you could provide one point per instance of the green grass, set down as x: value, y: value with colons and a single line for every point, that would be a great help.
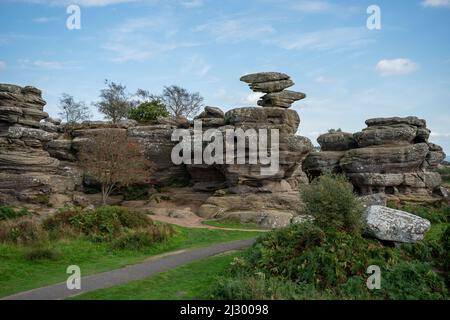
x: 232, y: 224
x: 19, y: 274
x: 436, y: 231
x: 188, y: 282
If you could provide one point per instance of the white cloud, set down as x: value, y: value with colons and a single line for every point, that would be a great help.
x: 197, y: 66
x: 436, y: 3
x: 440, y: 135
x: 236, y: 29
x: 329, y: 39
x: 251, y: 98
x: 45, y: 64
x: 84, y: 3
x: 310, y: 6
x: 140, y: 39
x: 396, y: 67
x: 192, y: 3
x: 44, y: 19
x: 2, y: 65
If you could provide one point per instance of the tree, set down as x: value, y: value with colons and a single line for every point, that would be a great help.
x: 115, y: 101
x: 114, y: 160
x: 72, y: 111
x: 148, y: 111
x: 181, y: 102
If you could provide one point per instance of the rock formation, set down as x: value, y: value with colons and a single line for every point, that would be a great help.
x: 392, y: 155
x: 243, y: 191
x: 27, y: 171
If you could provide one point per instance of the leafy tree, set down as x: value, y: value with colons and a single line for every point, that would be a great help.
x: 114, y: 160
x: 115, y: 102
x: 330, y: 199
x: 181, y: 102
x: 148, y: 111
x: 72, y: 111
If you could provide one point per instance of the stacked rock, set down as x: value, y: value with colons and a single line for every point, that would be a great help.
x: 392, y: 155
x: 273, y: 84
x: 26, y: 169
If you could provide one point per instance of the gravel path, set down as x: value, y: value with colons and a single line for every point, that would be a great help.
x: 131, y: 273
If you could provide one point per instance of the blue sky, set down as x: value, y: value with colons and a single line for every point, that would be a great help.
x: 348, y: 72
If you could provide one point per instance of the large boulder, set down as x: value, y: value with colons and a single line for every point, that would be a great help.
x: 386, y: 135
x: 394, y: 225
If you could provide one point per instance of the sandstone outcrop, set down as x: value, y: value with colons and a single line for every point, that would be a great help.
x: 27, y: 171
x: 392, y: 155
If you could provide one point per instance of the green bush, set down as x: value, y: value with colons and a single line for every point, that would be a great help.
x: 141, y: 239
x: 41, y: 251
x: 7, y: 212
x: 255, y: 288
x: 124, y: 228
x: 22, y: 231
x: 412, y: 281
x: 136, y: 192
x: 330, y: 199
x: 148, y: 111
x: 439, y: 214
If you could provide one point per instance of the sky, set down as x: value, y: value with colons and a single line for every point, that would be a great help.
x: 349, y: 72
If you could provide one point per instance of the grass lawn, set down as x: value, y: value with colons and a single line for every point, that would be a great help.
x: 191, y: 281
x: 19, y: 274
x: 232, y: 224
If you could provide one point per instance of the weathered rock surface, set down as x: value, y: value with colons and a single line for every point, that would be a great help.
x: 392, y: 155
x: 337, y: 141
x: 27, y: 170
x: 394, y: 225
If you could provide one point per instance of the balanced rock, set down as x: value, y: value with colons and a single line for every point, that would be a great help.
x: 274, y: 85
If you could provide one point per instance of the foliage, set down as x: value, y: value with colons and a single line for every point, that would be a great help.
x: 334, y: 130
x: 136, y: 192
x: 413, y: 280
x: 181, y: 102
x: 115, y: 102
x: 73, y: 111
x: 101, y: 224
x: 331, y: 201
x: 24, y: 230
x: 142, y: 238
x: 7, y: 212
x: 439, y: 214
x: 41, y: 251
x: 114, y: 160
x: 148, y: 111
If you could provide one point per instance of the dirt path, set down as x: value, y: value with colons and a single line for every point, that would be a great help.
x: 196, y: 222
x: 139, y: 271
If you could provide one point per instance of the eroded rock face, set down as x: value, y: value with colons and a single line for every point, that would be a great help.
x: 394, y: 225
x: 392, y: 155
x: 27, y: 170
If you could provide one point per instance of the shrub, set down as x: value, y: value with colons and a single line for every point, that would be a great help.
x: 330, y: 199
x: 136, y: 192
x: 7, y: 212
x: 125, y: 228
x: 41, y: 251
x: 144, y: 238
x: 412, y: 281
x: 148, y: 111
x: 274, y: 250
x: 440, y: 214
x: 22, y: 231
x: 255, y: 288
